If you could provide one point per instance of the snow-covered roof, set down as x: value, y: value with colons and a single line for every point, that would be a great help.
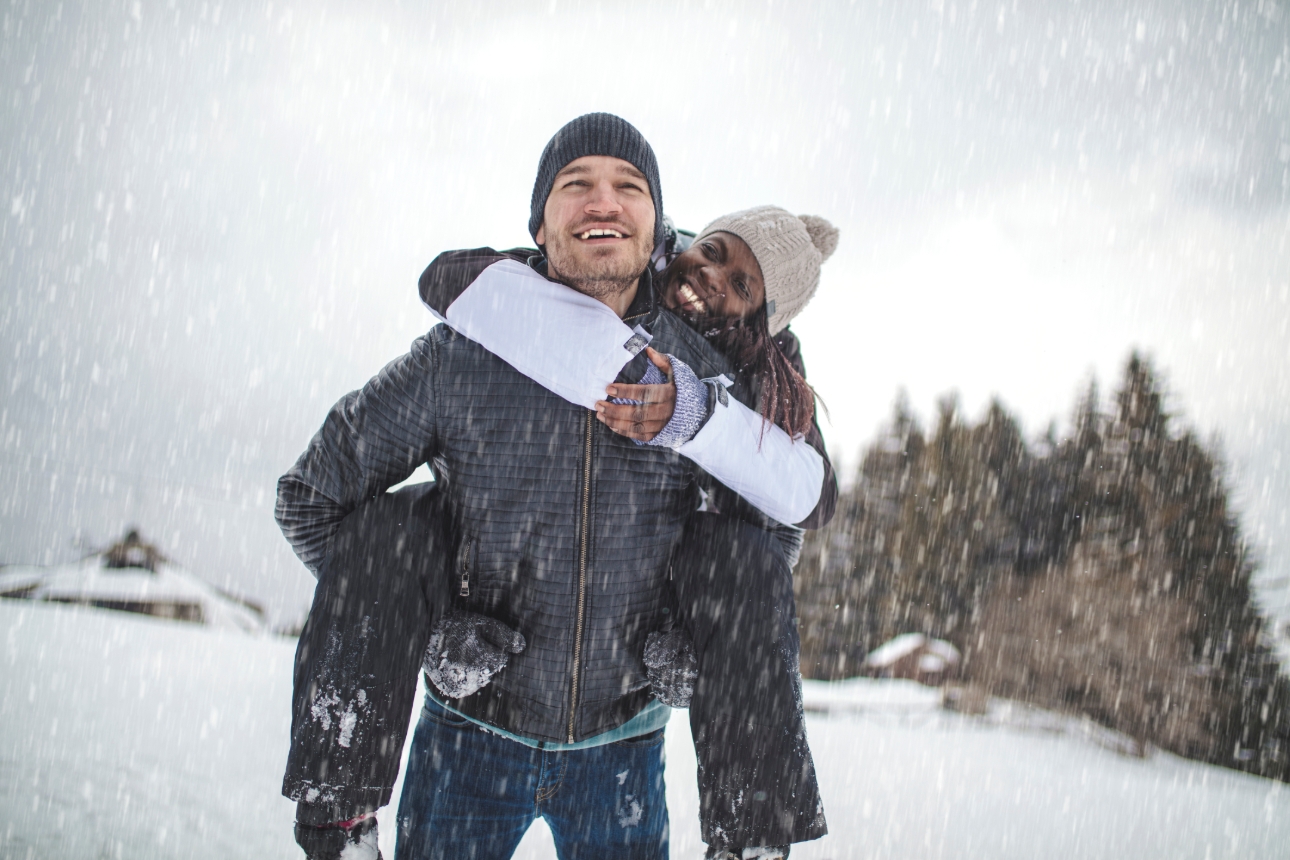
x: 940, y: 653
x: 944, y: 650
x: 889, y: 652
x: 89, y: 581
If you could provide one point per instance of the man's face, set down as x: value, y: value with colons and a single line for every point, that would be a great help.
x: 598, y: 225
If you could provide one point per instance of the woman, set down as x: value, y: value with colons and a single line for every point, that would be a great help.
x: 738, y: 283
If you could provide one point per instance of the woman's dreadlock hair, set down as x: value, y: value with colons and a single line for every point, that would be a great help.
x: 783, y: 396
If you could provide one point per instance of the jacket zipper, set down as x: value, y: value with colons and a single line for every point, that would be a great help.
x: 465, y: 571
x: 582, y: 574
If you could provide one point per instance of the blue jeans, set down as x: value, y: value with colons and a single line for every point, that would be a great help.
x: 469, y: 793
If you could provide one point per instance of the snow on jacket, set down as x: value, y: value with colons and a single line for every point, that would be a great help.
x: 566, y: 527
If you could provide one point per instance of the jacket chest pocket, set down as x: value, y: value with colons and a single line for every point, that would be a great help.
x: 467, y: 564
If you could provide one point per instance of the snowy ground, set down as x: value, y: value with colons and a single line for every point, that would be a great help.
x: 131, y: 737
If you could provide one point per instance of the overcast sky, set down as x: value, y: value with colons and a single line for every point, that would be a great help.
x: 215, y: 215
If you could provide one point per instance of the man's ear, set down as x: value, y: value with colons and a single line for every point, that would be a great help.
x: 540, y: 238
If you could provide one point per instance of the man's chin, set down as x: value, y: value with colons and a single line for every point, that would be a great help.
x: 620, y: 256
x: 617, y: 264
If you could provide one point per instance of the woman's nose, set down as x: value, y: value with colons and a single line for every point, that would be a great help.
x: 713, y: 280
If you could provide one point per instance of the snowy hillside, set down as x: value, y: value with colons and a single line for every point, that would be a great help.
x: 133, y: 737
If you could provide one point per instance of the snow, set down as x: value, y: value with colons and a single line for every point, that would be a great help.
x: 932, y: 663
x: 141, y: 738
x: 944, y: 650
x: 137, y: 737
x: 863, y: 694
x: 365, y: 849
x: 933, y: 785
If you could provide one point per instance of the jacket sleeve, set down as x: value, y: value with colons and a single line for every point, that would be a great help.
x: 372, y: 439
x: 566, y: 342
x: 788, y: 343
x: 575, y: 346
x: 789, y: 480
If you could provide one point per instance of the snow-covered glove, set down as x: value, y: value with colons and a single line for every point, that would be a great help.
x: 466, y: 650
x: 671, y: 666
x: 344, y: 840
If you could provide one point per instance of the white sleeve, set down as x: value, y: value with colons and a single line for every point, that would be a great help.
x: 776, y: 474
x: 570, y: 344
x: 575, y: 346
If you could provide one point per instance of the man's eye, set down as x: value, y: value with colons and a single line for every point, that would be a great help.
x: 742, y: 288
x: 709, y: 250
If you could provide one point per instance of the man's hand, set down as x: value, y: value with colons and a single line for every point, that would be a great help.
x: 466, y: 650
x: 644, y: 419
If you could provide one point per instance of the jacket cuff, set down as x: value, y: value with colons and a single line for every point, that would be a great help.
x: 692, y: 407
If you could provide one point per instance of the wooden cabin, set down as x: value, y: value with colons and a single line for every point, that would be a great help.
x: 915, y: 657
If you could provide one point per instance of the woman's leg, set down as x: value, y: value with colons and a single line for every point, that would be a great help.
x: 756, y: 778
x: 381, y: 588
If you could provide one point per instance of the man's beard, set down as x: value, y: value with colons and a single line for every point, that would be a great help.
x: 597, y: 277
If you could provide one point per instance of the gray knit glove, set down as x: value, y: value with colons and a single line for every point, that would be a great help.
x: 466, y: 650
x: 691, y: 404
x: 671, y: 666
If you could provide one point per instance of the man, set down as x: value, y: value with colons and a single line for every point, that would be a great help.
x: 552, y: 525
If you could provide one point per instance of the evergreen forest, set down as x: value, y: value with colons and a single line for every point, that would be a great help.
x: 1102, y: 575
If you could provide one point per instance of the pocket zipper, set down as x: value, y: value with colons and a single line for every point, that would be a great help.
x: 465, y: 572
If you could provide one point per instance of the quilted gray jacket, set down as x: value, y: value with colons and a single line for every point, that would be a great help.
x: 567, y: 529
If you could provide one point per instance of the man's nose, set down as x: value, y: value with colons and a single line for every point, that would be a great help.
x: 604, y: 199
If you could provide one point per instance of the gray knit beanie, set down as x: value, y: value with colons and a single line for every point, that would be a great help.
x: 595, y: 134
x: 789, y: 248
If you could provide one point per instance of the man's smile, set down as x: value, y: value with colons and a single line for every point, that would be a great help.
x: 600, y: 233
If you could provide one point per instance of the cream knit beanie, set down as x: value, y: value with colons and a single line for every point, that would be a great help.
x: 789, y: 248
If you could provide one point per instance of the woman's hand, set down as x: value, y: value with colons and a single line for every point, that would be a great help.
x: 652, y: 409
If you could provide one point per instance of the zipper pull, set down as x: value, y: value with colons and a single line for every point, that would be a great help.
x: 465, y: 572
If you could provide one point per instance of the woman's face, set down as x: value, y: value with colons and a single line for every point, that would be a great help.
x: 717, y: 277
